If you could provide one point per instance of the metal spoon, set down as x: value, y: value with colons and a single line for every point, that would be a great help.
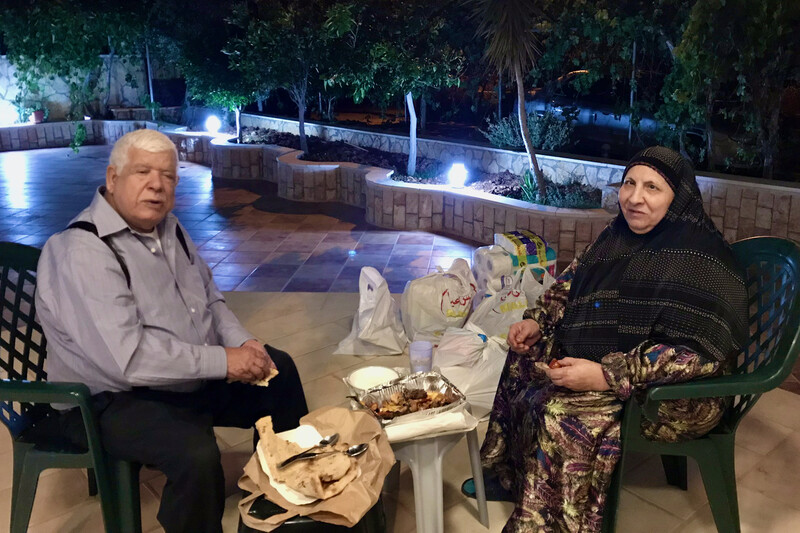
x: 353, y: 451
x: 326, y: 441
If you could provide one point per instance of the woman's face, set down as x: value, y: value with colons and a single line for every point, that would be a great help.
x: 644, y: 198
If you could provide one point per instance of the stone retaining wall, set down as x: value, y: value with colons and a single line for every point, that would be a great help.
x: 245, y: 161
x: 60, y: 134
x: 595, y: 172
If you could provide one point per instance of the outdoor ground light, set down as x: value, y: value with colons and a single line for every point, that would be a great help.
x: 457, y: 175
x: 213, y: 124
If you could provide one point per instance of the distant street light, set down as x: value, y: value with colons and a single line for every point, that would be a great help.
x: 457, y: 175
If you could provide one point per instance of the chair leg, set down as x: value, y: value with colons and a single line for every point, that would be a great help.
x: 126, y: 476
x: 92, y: 482
x: 23, y: 492
x: 719, y: 478
x: 675, y: 470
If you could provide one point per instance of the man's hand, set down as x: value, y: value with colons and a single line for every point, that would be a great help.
x: 576, y: 374
x: 260, y: 348
x: 249, y: 362
x: 522, y: 335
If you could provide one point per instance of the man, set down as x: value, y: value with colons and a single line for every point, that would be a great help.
x: 130, y: 308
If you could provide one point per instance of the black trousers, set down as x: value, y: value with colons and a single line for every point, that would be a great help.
x: 173, y: 432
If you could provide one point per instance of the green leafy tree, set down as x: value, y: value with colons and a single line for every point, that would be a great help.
x: 737, y: 58
x: 400, y: 53
x: 511, y: 46
x: 66, y: 39
x: 197, y: 45
x: 283, y: 44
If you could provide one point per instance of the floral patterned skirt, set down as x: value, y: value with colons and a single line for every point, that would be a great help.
x: 556, y: 449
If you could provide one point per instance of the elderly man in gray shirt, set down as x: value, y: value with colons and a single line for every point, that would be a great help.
x: 130, y: 308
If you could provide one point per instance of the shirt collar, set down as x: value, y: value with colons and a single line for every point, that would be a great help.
x: 106, y: 218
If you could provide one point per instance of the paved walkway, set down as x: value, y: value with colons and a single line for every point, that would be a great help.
x: 252, y: 240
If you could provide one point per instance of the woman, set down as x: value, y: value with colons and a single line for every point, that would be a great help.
x: 657, y: 298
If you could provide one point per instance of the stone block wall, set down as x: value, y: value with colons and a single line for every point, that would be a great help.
x: 478, y: 216
x: 309, y: 181
x: 247, y: 161
x: 595, y: 172
x: 194, y: 147
x: 60, y: 134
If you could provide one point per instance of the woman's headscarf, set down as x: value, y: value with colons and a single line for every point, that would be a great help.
x: 678, y: 284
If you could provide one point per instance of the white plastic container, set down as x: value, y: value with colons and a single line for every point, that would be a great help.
x: 369, y: 377
x: 421, y: 355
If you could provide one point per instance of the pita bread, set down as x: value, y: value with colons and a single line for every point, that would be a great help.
x: 320, y: 478
x: 264, y: 382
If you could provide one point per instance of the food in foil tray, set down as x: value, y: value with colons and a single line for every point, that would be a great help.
x: 408, y: 401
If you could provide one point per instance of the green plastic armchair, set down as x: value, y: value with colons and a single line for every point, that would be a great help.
x: 773, y: 281
x: 25, y: 396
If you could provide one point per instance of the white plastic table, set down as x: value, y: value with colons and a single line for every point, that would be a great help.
x: 424, y: 457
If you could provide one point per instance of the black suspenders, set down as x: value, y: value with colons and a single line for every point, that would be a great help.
x: 91, y: 228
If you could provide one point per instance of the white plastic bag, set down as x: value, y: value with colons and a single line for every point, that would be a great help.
x: 435, y: 302
x: 459, y: 347
x: 533, y: 288
x: 497, y: 312
x: 479, y: 381
x: 377, y: 329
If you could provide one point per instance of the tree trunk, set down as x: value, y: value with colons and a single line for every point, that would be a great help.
x: 412, y: 136
x: 301, y: 119
x: 499, y: 95
x: 238, y: 112
x: 709, y: 129
x: 260, y: 104
x: 769, y: 145
x: 149, y: 78
x: 319, y: 103
x: 108, y: 77
x: 533, y: 164
x: 330, y: 108
x: 423, y: 113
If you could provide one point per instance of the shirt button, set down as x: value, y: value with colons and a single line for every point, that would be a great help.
x: 192, y: 309
x: 205, y: 344
x: 153, y: 250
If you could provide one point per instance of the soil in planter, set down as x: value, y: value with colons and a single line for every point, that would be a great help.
x: 429, y: 171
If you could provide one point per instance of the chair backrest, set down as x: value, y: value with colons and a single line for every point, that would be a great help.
x: 23, y: 347
x: 772, y: 266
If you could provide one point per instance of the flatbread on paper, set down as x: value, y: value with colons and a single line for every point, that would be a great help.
x: 316, y: 478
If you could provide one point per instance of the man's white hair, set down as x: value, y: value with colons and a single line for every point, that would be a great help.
x: 144, y: 139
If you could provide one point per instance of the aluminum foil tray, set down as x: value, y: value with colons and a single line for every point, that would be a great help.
x: 427, y: 381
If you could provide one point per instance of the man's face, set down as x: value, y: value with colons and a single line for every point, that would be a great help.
x: 143, y: 191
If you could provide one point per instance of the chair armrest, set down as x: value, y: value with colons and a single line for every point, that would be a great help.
x: 761, y: 380
x: 77, y: 394
x: 44, y: 392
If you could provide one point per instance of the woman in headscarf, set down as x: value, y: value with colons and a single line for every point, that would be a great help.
x: 658, y: 298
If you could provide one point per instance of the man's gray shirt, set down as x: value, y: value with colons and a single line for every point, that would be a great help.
x: 166, y: 331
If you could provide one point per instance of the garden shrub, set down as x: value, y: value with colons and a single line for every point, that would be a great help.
x: 548, y: 132
x: 573, y: 193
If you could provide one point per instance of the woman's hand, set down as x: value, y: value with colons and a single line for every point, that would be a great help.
x: 522, y: 335
x: 576, y: 374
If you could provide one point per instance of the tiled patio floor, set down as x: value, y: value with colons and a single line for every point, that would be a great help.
x: 259, y: 245
x: 309, y: 326
x: 252, y: 240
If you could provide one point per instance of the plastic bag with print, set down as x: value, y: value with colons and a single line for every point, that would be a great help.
x: 438, y: 301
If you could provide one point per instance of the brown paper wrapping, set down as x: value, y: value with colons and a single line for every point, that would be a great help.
x: 346, y: 508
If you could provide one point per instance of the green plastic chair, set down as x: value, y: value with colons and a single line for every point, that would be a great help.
x: 773, y: 280
x: 25, y: 396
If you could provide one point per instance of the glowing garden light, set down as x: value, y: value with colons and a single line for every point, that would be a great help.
x: 457, y: 175
x: 213, y: 124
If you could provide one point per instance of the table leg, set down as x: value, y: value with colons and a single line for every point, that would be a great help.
x: 477, y: 476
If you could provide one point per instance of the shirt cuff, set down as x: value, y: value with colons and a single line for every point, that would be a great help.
x: 615, y: 370
x: 213, y: 362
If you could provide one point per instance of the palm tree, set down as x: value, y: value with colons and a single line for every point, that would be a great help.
x: 507, y: 25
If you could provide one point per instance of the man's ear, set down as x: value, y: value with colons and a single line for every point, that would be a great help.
x: 111, y: 178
